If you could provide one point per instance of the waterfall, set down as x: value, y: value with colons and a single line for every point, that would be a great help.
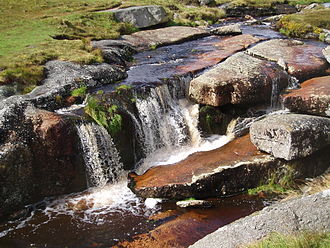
x: 100, y: 154
x: 274, y: 98
x: 163, y: 121
x: 293, y: 83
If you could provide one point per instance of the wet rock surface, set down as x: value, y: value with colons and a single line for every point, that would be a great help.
x: 240, y: 79
x: 141, y: 16
x: 312, y: 98
x: 305, y: 213
x: 145, y: 40
x: 156, y: 66
x: 227, y: 170
x: 39, y: 156
x: 301, y: 60
x: 291, y: 136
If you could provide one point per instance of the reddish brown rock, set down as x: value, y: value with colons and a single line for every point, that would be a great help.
x: 300, y: 60
x: 240, y: 79
x: 230, y: 169
x: 223, y: 49
x: 145, y: 40
x: 312, y: 98
x: 205, y: 174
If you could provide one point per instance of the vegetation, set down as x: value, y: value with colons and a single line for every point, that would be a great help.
x: 107, y: 117
x: 297, y: 240
x: 267, y: 3
x: 276, y: 184
x: 32, y: 33
x: 303, y: 23
x: 80, y: 92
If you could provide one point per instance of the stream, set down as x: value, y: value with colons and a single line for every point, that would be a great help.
x: 166, y: 126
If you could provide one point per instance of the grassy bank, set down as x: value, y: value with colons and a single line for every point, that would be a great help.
x: 304, y: 23
x: 34, y: 32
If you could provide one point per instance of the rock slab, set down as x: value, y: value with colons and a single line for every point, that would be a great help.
x: 306, y: 213
x: 312, y: 98
x: 230, y: 169
x: 241, y: 79
x: 141, y: 16
x: 291, y: 136
x: 232, y: 29
x: 149, y: 39
x: 301, y: 60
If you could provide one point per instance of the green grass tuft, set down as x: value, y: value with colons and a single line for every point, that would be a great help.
x: 298, y: 240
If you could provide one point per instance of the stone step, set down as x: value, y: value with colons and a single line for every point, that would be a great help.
x: 291, y: 136
x: 312, y: 98
x: 230, y: 169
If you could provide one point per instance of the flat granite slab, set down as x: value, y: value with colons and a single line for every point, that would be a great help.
x: 205, y: 174
x: 312, y: 98
x: 148, y: 39
x: 301, y: 60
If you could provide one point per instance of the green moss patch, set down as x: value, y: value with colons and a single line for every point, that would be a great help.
x: 309, y: 21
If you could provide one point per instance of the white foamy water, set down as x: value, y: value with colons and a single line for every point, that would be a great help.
x: 176, y: 154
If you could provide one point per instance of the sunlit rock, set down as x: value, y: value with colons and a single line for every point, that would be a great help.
x: 141, y: 16
x: 291, y: 136
x: 241, y: 79
x: 312, y: 98
x: 303, y: 61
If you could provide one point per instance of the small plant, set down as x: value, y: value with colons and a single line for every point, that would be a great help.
x: 106, y: 117
x: 123, y: 87
x: 153, y: 46
x: 80, y: 92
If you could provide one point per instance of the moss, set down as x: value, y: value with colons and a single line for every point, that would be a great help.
x: 106, y: 117
x: 304, y: 239
x: 300, y: 24
x: 80, y: 92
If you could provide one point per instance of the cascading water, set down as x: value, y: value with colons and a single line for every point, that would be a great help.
x: 162, y: 119
x: 100, y: 154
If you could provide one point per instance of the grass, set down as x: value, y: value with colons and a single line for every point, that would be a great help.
x: 267, y: 3
x: 300, y: 24
x: 297, y: 240
x: 276, y: 184
x: 33, y: 32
